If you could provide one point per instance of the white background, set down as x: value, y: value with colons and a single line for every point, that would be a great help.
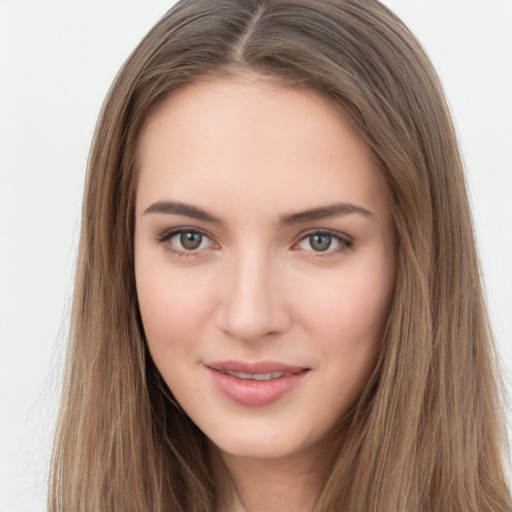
x: 57, y: 60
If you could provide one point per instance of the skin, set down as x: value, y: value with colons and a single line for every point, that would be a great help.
x: 250, y: 153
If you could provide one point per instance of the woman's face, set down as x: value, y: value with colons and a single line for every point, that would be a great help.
x: 264, y: 261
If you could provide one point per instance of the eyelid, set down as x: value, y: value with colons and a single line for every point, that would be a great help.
x: 344, y: 240
x: 168, y: 234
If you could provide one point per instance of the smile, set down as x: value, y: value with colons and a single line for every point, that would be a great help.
x: 255, y: 384
x: 256, y: 376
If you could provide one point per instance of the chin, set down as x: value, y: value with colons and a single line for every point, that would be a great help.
x: 258, y: 444
x: 255, y: 449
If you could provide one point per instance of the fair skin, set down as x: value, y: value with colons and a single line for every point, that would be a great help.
x: 263, y: 248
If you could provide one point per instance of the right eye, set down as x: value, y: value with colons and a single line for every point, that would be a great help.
x: 185, y: 241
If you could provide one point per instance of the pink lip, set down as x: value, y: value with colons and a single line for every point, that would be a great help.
x: 254, y: 393
x: 257, y: 367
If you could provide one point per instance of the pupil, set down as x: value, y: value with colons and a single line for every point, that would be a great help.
x: 190, y: 241
x: 320, y: 242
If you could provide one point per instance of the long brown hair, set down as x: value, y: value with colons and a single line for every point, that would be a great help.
x: 427, y: 433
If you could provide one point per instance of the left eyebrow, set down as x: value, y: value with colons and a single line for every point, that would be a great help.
x: 323, y: 212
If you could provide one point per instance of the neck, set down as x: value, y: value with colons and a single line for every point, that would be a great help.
x: 287, y: 483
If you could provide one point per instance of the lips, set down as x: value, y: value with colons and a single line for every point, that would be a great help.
x: 256, y: 376
x: 255, y: 384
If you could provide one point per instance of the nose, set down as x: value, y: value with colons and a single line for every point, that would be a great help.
x: 253, y: 304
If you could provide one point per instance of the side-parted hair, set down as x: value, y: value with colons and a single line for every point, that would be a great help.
x: 427, y: 433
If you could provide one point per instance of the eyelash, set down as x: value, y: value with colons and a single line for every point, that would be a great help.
x: 344, y: 242
x: 168, y: 235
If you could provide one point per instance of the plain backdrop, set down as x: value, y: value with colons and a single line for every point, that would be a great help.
x: 57, y: 60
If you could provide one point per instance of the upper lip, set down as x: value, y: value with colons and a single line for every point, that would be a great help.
x: 253, y: 368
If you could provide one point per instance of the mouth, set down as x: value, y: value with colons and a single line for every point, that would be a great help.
x: 255, y: 384
x: 256, y: 376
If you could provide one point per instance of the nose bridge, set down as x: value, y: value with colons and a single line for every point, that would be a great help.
x: 253, y: 303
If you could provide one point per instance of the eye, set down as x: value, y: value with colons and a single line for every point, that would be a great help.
x: 324, y: 242
x: 189, y: 240
x: 185, y: 241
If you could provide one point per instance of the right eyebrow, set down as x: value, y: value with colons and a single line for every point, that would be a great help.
x: 177, y: 208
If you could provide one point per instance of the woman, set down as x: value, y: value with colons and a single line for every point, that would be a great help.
x: 277, y: 303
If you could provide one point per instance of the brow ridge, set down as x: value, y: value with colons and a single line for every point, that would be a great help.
x: 178, y: 208
x: 322, y: 212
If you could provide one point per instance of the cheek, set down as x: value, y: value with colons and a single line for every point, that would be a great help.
x: 349, y: 311
x: 174, y: 308
x: 346, y: 321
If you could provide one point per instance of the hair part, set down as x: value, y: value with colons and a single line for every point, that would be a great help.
x: 427, y: 433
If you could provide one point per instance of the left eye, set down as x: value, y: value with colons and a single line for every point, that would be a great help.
x: 323, y: 242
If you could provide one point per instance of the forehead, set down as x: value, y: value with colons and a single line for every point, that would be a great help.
x: 256, y: 140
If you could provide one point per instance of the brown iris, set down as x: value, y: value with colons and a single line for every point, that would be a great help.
x: 190, y: 240
x: 320, y: 242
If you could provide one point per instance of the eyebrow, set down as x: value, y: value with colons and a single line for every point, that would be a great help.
x: 334, y: 210
x: 177, y: 208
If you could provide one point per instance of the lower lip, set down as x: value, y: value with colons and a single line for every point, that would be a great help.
x: 255, y: 393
